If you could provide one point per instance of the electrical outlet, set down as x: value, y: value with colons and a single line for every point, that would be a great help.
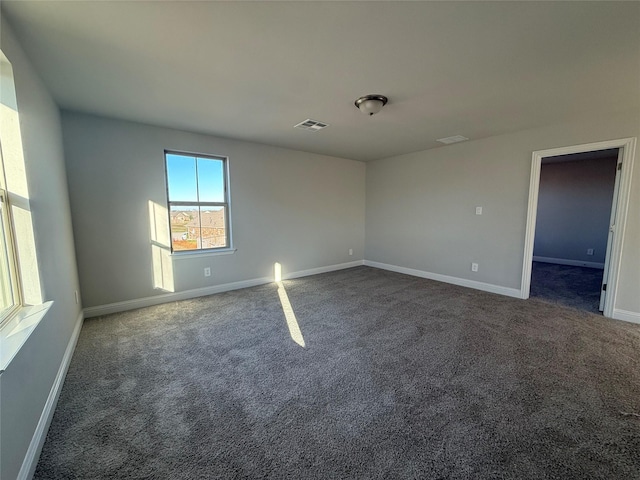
x: 478, y: 210
x: 589, y: 251
x: 474, y: 267
x: 351, y: 251
x: 207, y: 271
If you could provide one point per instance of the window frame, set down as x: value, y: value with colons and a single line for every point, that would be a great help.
x: 10, y: 245
x: 226, y: 205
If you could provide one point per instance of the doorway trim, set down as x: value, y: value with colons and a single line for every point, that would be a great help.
x: 628, y: 146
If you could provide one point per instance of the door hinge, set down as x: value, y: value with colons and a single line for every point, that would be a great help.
x: 604, y: 287
x: 620, y: 166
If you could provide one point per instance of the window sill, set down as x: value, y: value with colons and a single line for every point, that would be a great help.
x: 15, y: 333
x: 206, y: 253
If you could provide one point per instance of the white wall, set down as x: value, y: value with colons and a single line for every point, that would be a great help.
x: 421, y: 206
x: 27, y: 381
x: 574, y: 208
x: 299, y: 209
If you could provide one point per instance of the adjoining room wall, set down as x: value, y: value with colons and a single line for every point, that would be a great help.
x: 421, y: 206
x: 302, y: 210
x: 26, y: 384
x: 574, y: 207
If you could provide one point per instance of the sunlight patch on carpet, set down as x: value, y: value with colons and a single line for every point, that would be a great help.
x: 292, y: 321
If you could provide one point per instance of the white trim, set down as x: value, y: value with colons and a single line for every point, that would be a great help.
x: 530, y: 232
x: 201, y: 292
x: 463, y: 282
x: 318, y: 270
x: 566, y: 261
x: 37, y: 441
x: 171, y: 297
x: 626, y: 315
x: 16, y: 331
x: 181, y: 255
x: 628, y: 146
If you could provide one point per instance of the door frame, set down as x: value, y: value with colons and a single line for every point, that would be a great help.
x: 613, y: 212
x: 628, y: 146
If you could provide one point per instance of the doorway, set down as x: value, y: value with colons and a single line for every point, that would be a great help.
x: 575, y: 198
x: 610, y: 251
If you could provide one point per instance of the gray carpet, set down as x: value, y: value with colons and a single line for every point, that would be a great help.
x: 400, y: 378
x: 577, y: 287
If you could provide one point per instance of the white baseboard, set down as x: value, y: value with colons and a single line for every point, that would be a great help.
x: 170, y: 297
x: 626, y: 315
x: 37, y: 441
x: 463, y: 282
x: 564, y: 261
x: 201, y: 292
x: 316, y: 271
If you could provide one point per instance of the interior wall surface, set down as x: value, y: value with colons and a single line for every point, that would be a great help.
x: 27, y: 381
x: 574, y: 209
x: 302, y: 210
x: 421, y: 207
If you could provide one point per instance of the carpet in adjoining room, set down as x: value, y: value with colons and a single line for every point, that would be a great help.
x: 577, y: 287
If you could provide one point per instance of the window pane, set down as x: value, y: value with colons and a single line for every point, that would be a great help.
x: 6, y: 289
x: 214, y: 227
x: 185, y: 227
x: 211, y: 180
x: 181, y: 177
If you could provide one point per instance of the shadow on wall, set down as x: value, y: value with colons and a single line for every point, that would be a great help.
x: 159, y: 235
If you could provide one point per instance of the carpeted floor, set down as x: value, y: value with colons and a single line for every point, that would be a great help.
x: 400, y: 378
x: 577, y: 287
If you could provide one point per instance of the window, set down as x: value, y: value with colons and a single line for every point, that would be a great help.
x: 10, y: 294
x: 198, y: 198
x: 9, y: 285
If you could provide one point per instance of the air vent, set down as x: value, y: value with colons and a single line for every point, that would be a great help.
x: 311, y: 125
x: 454, y: 139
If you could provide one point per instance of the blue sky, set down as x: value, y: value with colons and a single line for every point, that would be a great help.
x: 183, y: 185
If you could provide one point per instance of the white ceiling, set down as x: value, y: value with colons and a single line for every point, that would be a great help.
x: 252, y: 71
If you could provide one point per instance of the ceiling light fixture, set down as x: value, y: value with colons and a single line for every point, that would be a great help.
x: 370, y: 104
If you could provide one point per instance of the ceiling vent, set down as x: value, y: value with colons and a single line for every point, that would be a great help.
x: 311, y: 125
x: 454, y: 139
